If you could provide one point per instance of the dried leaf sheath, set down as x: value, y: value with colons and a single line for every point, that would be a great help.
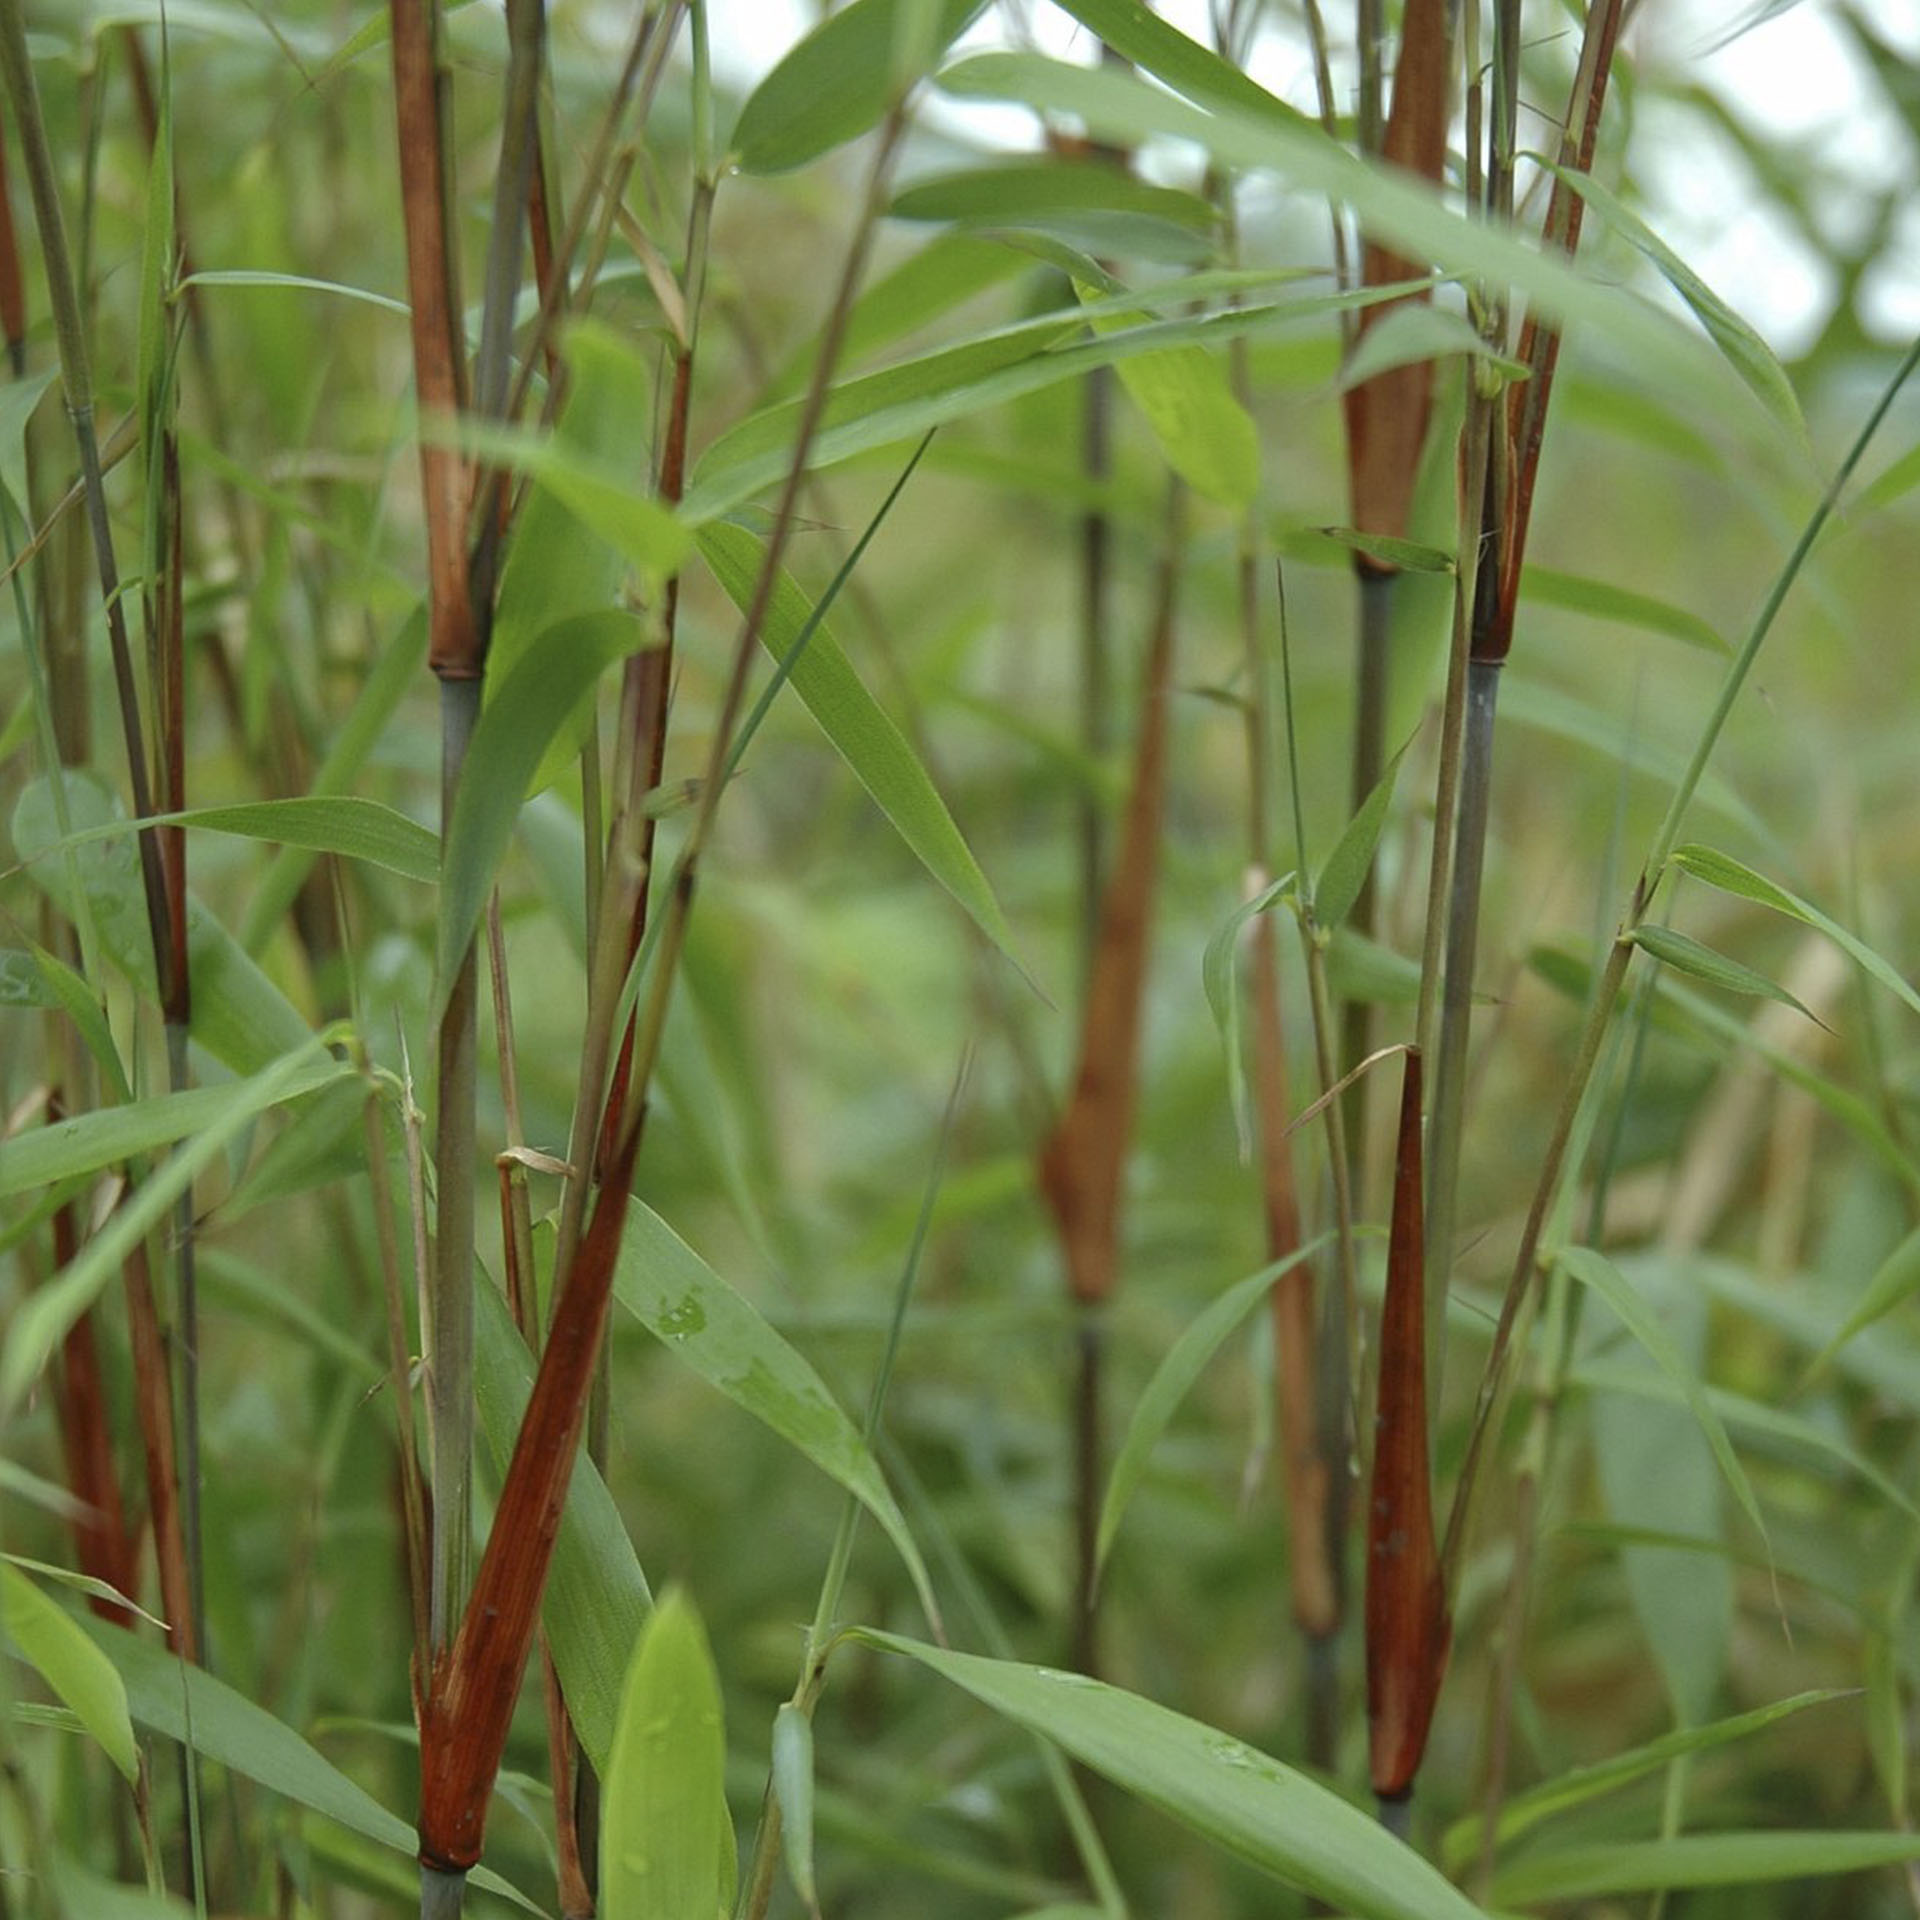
x: 470, y: 1705
x: 1408, y: 1632
x: 1387, y: 415
x: 1083, y: 1163
x: 445, y: 483
x: 1540, y: 343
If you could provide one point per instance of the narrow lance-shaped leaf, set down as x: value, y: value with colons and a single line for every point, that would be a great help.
x: 711, y: 1328
x: 1734, y: 876
x: 1121, y: 106
x: 88, y: 1142
x: 51, y: 1641
x: 39, y: 1325
x: 1345, y: 872
x: 529, y: 709
x: 343, y: 824
x: 873, y: 747
x: 1697, y: 1860
x: 1596, y: 1271
x: 1198, y: 1343
x: 837, y: 83
x: 1895, y: 1279
x: 1205, y: 433
x: 239, y: 1015
x: 665, y: 1809
x: 182, y: 1702
x: 1690, y: 956
x: 1139, y: 35
x: 1262, y: 1812
x: 1408, y: 1632
x: 1218, y: 975
x: 1579, y: 1785
x: 1746, y: 351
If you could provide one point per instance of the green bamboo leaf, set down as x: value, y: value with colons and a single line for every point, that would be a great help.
x: 596, y: 1597
x: 759, y: 449
x: 1199, y: 1341
x: 504, y: 756
x: 1706, y: 1024
x: 1619, y: 606
x: 396, y: 668
x: 840, y: 81
x: 1658, y: 1479
x: 1697, y: 1860
x: 323, y: 1142
x: 1894, y: 482
x: 239, y: 1015
x: 1362, y: 969
x: 793, y: 1789
x: 899, y: 403
x: 1417, y: 332
x: 187, y: 1704
x: 1229, y: 1793
x: 949, y: 270
x: 1206, y: 434
x: 41, y: 1322
x: 705, y: 1324
x: 1581, y: 1785
x: 1219, y: 975
x: 1408, y: 216
x: 1886, y: 1716
x: 601, y: 495
x: 665, y: 1817
x: 1733, y: 876
x: 1335, y: 546
x: 1346, y: 868
x: 1689, y: 956
x: 561, y: 564
x: 872, y: 746
x: 52, y: 1643
x: 1014, y: 191
x: 1771, y: 1429
x: 86, y: 1143
x: 293, y: 283
x: 1090, y: 205
x: 1595, y: 1270
x: 1896, y: 1279
x: 1747, y: 353
x: 343, y: 824
x: 18, y: 399
x: 1880, y: 1358
x: 45, y: 1494
x: 64, y: 988
x: 1138, y: 34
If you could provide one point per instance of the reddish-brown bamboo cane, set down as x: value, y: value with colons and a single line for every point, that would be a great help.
x: 1082, y: 1165
x: 1408, y: 1632
x: 475, y: 1686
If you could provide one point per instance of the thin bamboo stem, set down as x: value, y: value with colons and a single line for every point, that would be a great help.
x: 1456, y: 1010
x: 450, y: 1356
